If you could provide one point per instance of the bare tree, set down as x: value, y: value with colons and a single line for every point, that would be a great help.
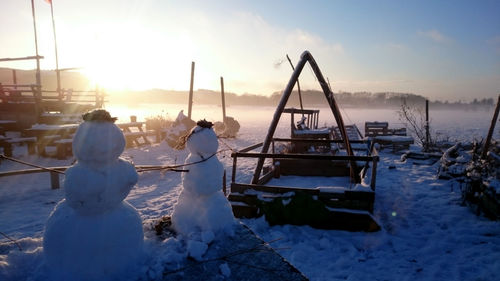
x: 414, y: 118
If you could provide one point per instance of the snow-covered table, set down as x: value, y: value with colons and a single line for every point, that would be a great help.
x: 47, y: 134
x: 132, y: 132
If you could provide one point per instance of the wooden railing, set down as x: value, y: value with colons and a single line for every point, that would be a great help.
x: 15, y: 93
x: 245, y: 153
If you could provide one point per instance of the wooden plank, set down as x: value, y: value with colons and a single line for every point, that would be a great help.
x: 22, y: 58
x: 304, y: 156
x: 252, y: 147
x: 241, y: 188
x: 319, y: 141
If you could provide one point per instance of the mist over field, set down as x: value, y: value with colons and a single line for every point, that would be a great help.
x: 366, y: 99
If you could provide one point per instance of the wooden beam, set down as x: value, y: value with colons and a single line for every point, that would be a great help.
x: 304, y: 156
x: 21, y: 58
x: 492, y: 128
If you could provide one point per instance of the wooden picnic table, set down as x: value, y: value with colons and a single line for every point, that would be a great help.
x: 133, y: 132
x: 47, y: 135
x: 7, y: 125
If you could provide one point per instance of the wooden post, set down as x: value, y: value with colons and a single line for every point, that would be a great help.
x: 224, y: 183
x: 233, y: 174
x: 427, y: 135
x: 223, y: 100
x: 38, y: 77
x: 190, y: 104
x: 490, y: 132
x: 374, y: 173
x: 54, y: 180
x: 58, y: 72
x: 14, y: 78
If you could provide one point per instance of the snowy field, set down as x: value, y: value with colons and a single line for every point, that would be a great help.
x: 426, y: 234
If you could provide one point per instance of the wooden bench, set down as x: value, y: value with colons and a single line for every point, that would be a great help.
x: 381, y: 134
x: 133, y: 132
x: 373, y: 129
x: 397, y: 143
x: 47, y: 135
x: 64, y: 148
x: 352, y: 131
x: 7, y: 143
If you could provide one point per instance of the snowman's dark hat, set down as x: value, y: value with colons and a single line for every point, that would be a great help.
x: 98, y: 115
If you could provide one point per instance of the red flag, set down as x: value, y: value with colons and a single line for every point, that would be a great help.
x: 49, y: 1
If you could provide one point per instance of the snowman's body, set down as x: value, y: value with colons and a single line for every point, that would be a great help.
x: 202, y: 206
x: 93, y: 234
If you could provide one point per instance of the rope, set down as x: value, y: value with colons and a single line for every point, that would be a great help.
x: 298, y: 85
x: 228, y: 146
x: 173, y: 168
x: 30, y: 164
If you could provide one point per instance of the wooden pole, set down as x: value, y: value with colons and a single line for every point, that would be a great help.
x: 14, y: 78
x: 427, y: 134
x: 190, y: 103
x: 38, y: 77
x: 223, y: 100
x: 298, y: 85
x: 490, y: 132
x: 58, y: 72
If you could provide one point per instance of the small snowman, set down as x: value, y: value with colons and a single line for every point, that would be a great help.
x: 93, y: 234
x: 202, y: 211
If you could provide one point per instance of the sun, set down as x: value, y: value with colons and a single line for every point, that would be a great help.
x: 131, y: 57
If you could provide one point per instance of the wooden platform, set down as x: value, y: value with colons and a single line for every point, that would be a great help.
x: 339, y: 209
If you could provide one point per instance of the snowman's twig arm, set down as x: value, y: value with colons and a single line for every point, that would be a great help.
x: 174, y: 167
x: 15, y: 242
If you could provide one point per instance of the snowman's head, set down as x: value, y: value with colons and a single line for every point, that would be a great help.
x: 98, y: 139
x: 202, y: 139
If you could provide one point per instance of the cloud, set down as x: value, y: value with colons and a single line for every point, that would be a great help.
x: 243, y: 46
x: 434, y: 35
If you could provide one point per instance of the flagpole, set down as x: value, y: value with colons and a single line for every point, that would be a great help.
x: 38, y: 78
x: 58, y: 72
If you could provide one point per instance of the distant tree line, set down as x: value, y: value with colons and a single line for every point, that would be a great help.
x: 310, y: 98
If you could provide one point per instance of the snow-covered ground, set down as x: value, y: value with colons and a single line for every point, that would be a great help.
x: 426, y: 235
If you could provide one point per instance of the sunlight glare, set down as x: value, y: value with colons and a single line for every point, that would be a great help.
x: 126, y: 58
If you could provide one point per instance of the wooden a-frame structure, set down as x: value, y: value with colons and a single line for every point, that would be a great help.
x: 304, y: 58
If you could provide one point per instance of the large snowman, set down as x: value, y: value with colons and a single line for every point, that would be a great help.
x: 202, y: 211
x: 93, y: 234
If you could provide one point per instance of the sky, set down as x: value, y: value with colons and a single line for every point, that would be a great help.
x: 443, y: 50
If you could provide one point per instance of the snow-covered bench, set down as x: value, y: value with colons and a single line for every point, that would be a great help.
x: 373, y: 129
x: 397, y: 142
x: 6, y: 144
